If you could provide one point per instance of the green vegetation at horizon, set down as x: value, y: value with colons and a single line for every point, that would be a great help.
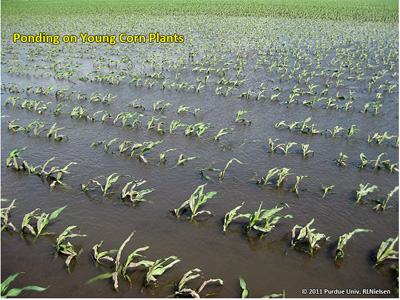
x: 337, y: 10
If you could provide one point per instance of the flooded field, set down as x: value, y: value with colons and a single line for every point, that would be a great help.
x: 268, y: 113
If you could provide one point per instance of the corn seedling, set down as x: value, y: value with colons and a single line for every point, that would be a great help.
x: 352, y: 130
x: 342, y: 159
x: 386, y: 251
x: 326, y: 189
x: 13, y: 158
x: 157, y: 268
x: 335, y: 130
x: 364, y: 190
x: 133, y: 195
x: 53, y: 132
x: 271, y: 173
x: 67, y: 248
x: 132, y: 261
x: 285, y: 147
x: 208, y: 169
x: 222, y: 174
x: 14, y: 127
x: 196, y: 199
x: 296, y: 185
x: 57, y: 111
x: 304, y: 147
x: 174, y: 125
x: 222, y: 132
x: 269, y: 215
x: 231, y: 215
x: 107, y: 146
x: 239, y: 114
x: 246, y: 292
x: 162, y: 155
x: 183, y: 108
x: 183, y: 291
x: 5, y: 215
x: 377, y: 161
x: 80, y: 112
x: 42, y: 221
x: 343, y: 239
x: 306, y: 239
x: 382, y: 204
x: 16, y: 291
x: 201, y: 127
x: 157, y: 106
x: 109, y: 180
x: 390, y: 166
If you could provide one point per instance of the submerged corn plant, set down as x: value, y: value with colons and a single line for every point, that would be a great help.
x: 222, y: 174
x: 343, y: 239
x: 231, y: 215
x: 182, y: 290
x: 109, y: 180
x: 246, y: 292
x: 182, y: 160
x: 306, y: 152
x: 352, y: 130
x: 130, y: 192
x: 306, y: 239
x: 195, y: 201
x: 67, y: 248
x: 326, y: 189
x: 162, y: 155
x: 41, y: 222
x: 223, y: 132
x: 16, y: 291
x: 364, y: 190
x: 342, y: 158
x: 382, y: 204
x: 269, y: 216
x: 5, y: 215
x: 386, y: 251
x: 158, y: 268
x: 120, y: 268
x: 295, y: 189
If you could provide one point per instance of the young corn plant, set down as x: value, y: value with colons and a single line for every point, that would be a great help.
x: 182, y: 160
x: 158, y: 268
x: 382, y: 204
x: 352, y: 130
x: 67, y: 248
x: 295, y: 189
x: 285, y: 147
x: 343, y: 239
x: 335, y: 130
x: 270, y: 217
x: 16, y: 291
x: 326, y: 189
x: 231, y: 215
x: 342, y: 158
x: 386, y: 251
x: 364, y: 190
x: 134, y: 195
x: 246, y: 292
x: 5, y: 215
x: 306, y: 239
x: 239, y: 119
x: 222, y: 174
x: 53, y: 132
x: 306, y: 152
x: 194, y: 202
x: 41, y: 222
x: 174, y: 125
x: 162, y: 155
x: 223, y: 132
x: 109, y: 180
x: 182, y: 290
x: 132, y: 261
x: 270, y: 174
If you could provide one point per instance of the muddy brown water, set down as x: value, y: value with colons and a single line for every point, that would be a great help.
x: 268, y: 264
